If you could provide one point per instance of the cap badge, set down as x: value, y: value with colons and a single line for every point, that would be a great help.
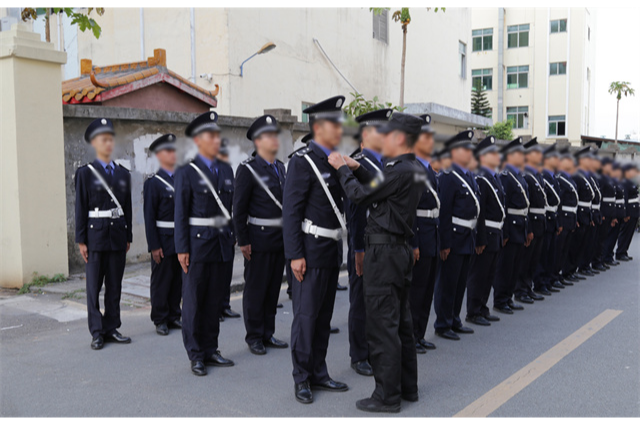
x: 103, y: 121
x: 493, y: 140
x: 339, y: 103
x: 269, y: 120
x: 212, y: 116
x: 388, y: 114
x: 470, y: 135
x: 170, y: 137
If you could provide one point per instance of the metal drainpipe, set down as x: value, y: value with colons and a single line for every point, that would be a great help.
x: 142, y: 34
x: 193, y: 45
x: 500, y: 62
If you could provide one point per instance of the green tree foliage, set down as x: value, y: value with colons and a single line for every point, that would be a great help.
x: 479, y: 103
x: 501, y: 130
x: 404, y: 17
x: 82, y: 20
x: 359, y: 105
x: 619, y: 88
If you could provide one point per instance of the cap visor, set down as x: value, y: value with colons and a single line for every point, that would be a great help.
x: 266, y: 129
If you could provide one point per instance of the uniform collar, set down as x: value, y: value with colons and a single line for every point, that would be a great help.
x: 167, y: 172
x: 265, y: 162
x: 376, y: 155
x: 565, y: 174
x: 423, y: 162
x: 531, y: 169
x: 461, y: 168
x: 548, y: 171
x: 512, y: 168
x: 104, y: 164
x: 326, y: 151
x: 488, y: 170
x: 208, y: 162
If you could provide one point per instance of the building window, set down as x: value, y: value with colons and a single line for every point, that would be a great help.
x: 380, y: 26
x: 482, y: 39
x: 462, y: 48
x: 588, y: 33
x: 518, y: 36
x: 557, y: 125
x: 559, y: 25
x: 305, y: 105
x: 558, y: 68
x: 519, y: 116
x: 518, y: 77
x: 482, y: 76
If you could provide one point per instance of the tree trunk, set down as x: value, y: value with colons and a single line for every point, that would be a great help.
x: 404, y: 56
x: 617, y: 112
x: 47, y: 25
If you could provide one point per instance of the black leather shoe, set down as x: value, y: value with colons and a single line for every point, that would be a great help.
x: 362, y: 368
x: 175, y: 324
x: 569, y: 278
x: 624, y: 258
x: 412, y: 398
x: 217, y: 360
x: 162, y: 329
x: 478, y: 320
x: 537, y: 297
x: 331, y: 385
x: 341, y: 288
x: 279, y: 305
x: 503, y: 309
x: 492, y: 318
x: 515, y: 306
x: 376, y: 406
x: 600, y: 268
x: 584, y: 273
x: 523, y: 299
x: 542, y: 291
x: 97, y: 343
x: 198, y: 368
x: 334, y: 330
x: 221, y: 319
x: 227, y: 312
x: 273, y: 342
x: 117, y: 337
x: 557, y: 284
x: 593, y: 270
x: 426, y: 344
x: 552, y: 289
x: 420, y: 349
x: 449, y: 334
x: 612, y: 263
x: 303, y: 392
x: 576, y: 277
x: 257, y: 348
x: 462, y: 330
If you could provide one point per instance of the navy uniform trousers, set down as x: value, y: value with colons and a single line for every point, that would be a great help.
x: 564, y: 242
x: 313, y: 301
x: 482, y: 275
x: 358, y: 349
x: 546, y: 272
x: 578, y: 248
x: 166, y: 289
x: 509, y: 265
x: 227, y: 275
x: 449, y: 291
x: 530, y: 260
x: 263, y: 277
x: 626, y: 235
x: 107, y: 267
x: 423, y: 283
x: 600, y: 239
x: 610, y: 241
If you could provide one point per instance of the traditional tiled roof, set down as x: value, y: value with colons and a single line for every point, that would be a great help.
x: 97, y: 84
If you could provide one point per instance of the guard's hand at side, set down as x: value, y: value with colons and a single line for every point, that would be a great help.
x: 480, y: 249
x: 128, y: 246
x: 84, y: 251
x: 559, y: 230
x: 444, y: 254
x: 504, y: 241
x: 246, y: 252
x: 359, y: 263
x: 184, y: 261
x: 157, y: 255
x: 336, y: 160
x: 299, y: 268
x: 416, y: 255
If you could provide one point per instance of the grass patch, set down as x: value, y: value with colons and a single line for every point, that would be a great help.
x: 73, y: 295
x: 41, y: 280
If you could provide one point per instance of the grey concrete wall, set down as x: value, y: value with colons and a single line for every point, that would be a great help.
x: 135, y: 130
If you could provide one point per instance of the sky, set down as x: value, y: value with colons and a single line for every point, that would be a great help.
x: 617, y: 59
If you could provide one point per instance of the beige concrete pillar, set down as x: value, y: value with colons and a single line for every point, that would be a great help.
x: 33, y: 236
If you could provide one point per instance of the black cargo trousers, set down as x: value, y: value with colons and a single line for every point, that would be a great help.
x: 389, y: 327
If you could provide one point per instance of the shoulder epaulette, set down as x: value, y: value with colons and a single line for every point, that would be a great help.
x: 446, y: 171
x: 123, y: 167
x: 358, y: 156
x: 390, y: 163
x: 303, y: 151
x: 248, y: 160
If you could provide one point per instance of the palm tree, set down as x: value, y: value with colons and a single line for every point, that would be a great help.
x: 619, y: 88
x: 404, y: 17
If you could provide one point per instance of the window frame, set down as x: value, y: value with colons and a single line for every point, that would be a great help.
x: 377, y: 33
x: 519, y: 31
x: 484, y: 33
x: 304, y: 105
x: 483, y: 74
x: 519, y: 72
x: 555, y: 120
x: 559, y: 29
x: 557, y: 66
x: 520, y: 111
x: 462, y: 55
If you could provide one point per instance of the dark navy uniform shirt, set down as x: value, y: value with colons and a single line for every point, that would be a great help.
x: 250, y: 199
x: 568, y: 198
x: 492, y: 203
x: 517, y: 226
x: 457, y: 199
x: 159, y: 205
x: 621, y: 209
x: 608, y: 191
x: 631, y: 193
x: 552, y: 189
x: 103, y: 234
x: 585, y: 194
x: 426, y: 228
x: 537, y: 200
x: 357, y: 214
x: 194, y: 199
x: 304, y: 198
x: 596, y: 208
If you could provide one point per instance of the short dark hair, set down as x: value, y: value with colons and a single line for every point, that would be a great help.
x: 410, y: 139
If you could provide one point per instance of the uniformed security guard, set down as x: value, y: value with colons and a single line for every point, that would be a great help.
x: 567, y: 215
x: 441, y: 160
x: 632, y: 208
x: 459, y: 211
x: 313, y: 229
x: 103, y: 231
x: 203, y: 236
x: 546, y: 281
x: 393, y: 199
x: 592, y: 164
x: 516, y: 225
x: 619, y: 214
x: 601, y: 168
x: 490, y: 235
x: 369, y: 156
x: 537, y: 223
x: 159, y: 206
x: 425, y: 240
x: 257, y: 207
x: 586, y: 195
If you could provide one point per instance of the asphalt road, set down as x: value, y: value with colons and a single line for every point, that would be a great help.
x: 48, y: 369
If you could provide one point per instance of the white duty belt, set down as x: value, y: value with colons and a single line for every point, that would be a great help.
x: 494, y: 224
x: 551, y: 208
x: 540, y: 211
x: 572, y: 210
x: 432, y: 213
x: 265, y: 222
x: 609, y: 200
x: 311, y: 229
x: 218, y: 221
x: 469, y: 224
x: 595, y: 206
x: 619, y: 201
x: 634, y: 200
x: 514, y: 211
x: 112, y: 213
x: 165, y: 224
x: 584, y: 204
